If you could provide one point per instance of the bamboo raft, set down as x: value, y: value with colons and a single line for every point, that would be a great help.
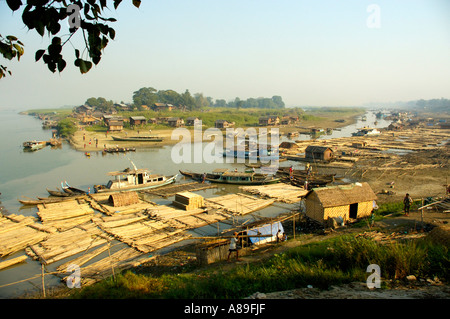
x: 280, y: 192
x: 171, y: 190
x: 17, y: 232
x: 239, y: 204
x: 64, y: 244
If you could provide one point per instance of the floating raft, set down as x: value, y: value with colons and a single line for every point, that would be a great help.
x: 18, y: 232
x: 280, y: 192
x: 67, y: 243
x: 167, y: 191
x: 239, y: 204
x: 65, y: 215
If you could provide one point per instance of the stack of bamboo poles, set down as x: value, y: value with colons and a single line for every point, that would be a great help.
x: 64, y: 244
x: 65, y: 215
x: 138, y: 231
x: 188, y: 201
x: 239, y: 204
x: 280, y: 192
x: 16, y: 233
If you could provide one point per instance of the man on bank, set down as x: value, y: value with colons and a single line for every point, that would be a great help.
x: 233, y: 247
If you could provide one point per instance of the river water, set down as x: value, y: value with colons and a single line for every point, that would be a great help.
x: 30, y: 173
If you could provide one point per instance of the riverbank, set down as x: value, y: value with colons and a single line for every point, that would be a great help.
x: 85, y: 140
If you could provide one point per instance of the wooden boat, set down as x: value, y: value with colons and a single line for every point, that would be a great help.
x: 144, y: 138
x: 71, y: 190
x: 33, y: 145
x: 300, y: 176
x: 134, y: 179
x: 119, y: 149
x: 47, y: 200
x: 58, y: 193
x: 366, y: 131
x: 226, y: 177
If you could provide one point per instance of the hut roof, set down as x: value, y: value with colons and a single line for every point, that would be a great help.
x: 288, y: 145
x: 344, y: 194
x: 123, y: 199
x: 317, y: 149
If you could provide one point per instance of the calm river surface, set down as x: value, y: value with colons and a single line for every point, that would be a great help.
x: 30, y: 173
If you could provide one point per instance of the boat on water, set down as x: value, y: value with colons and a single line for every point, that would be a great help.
x: 228, y: 177
x: 58, y: 193
x: 48, y: 200
x: 119, y: 149
x: 366, y: 131
x: 71, y: 190
x: 144, y: 138
x: 33, y: 145
x: 134, y: 179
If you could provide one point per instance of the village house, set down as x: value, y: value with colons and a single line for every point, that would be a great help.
x: 222, y: 124
x: 321, y: 153
x: 84, y: 109
x: 344, y: 201
x: 115, y: 125
x: 137, y: 120
x: 269, y: 120
x: 152, y: 121
x: 192, y: 120
x: 162, y: 107
x: 175, y: 122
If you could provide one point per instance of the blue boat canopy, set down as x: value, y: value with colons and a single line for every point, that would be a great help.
x: 267, y: 229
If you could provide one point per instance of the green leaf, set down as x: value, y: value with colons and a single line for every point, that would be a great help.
x: 77, y: 53
x: 112, y: 33
x: 85, y: 66
x: 61, y: 65
x: 11, y: 38
x: 117, y: 3
x: 39, y: 54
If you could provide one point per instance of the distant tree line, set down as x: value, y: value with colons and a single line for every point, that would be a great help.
x: 434, y: 104
x: 149, y: 96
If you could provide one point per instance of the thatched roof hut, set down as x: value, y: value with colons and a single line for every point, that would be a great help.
x: 123, y: 199
x: 346, y: 201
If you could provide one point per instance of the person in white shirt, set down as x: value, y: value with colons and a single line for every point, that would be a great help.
x: 233, y: 246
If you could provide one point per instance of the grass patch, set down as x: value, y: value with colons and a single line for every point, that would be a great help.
x: 334, y: 261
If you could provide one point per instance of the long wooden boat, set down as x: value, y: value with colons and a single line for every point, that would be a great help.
x: 47, y: 200
x: 226, y: 177
x: 72, y: 190
x: 144, y: 138
x: 134, y: 179
x: 58, y: 193
x: 119, y: 149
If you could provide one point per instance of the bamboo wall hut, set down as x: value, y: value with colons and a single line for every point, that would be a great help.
x: 322, y: 153
x: 346, y: 201
x: 123, y: 199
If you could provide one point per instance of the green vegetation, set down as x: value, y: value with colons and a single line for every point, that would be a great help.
x: 333, y: 261
x: 66, y: 127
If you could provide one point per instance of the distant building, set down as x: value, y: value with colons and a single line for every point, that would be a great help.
x: 344, y: 201
x: 321, y: 153
x: 192, y: 120
x: 137, y: 120
x: 222, y: 124
x: 269, y: 120
x: 162, y: 107
x: 175, y: 122
x: 85, y: 109
x: 115, y: 125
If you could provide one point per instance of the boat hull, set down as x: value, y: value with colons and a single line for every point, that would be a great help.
x: 138, y: 139
x: 210, y: 178
x: 170, y: 180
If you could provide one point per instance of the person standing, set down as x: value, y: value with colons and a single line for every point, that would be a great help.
x: 407, y: 201
x: 233, y: 246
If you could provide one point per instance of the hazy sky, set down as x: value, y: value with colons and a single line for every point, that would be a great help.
x: 321, y: 52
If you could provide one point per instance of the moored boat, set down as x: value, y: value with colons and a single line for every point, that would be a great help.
x: 33, y: 145
x: 144, y: 138
x: 134, y: 179
x: 226, y: 177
